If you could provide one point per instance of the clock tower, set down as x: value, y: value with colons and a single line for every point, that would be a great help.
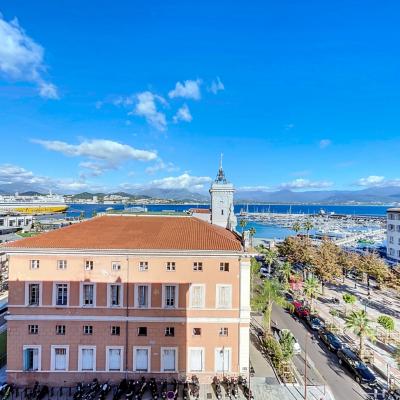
x: 221, y: 191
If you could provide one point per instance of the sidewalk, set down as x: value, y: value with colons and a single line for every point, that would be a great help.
x: 379, y: 303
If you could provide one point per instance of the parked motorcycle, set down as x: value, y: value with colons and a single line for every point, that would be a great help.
x: 78, y: 391
x: 217, y: 388
x: 105, y: 388
x: 131, y: 390
x: 122, y: 386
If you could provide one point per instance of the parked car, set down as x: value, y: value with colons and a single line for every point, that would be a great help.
x: 314, y: 322
x: 362, y: 374
x: 278, y: 334
x: 332, y: 341
x: 300, y: 310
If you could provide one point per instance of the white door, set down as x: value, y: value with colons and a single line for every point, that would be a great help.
x: 87, y: 359
x: 114, y: 359
x: 196, y: 360
x: 142, y: 359
x: 222, y: 359
x: 169, y: 359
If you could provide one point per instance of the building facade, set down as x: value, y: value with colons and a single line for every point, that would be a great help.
x: 125, y: 296
x: 393, y: 233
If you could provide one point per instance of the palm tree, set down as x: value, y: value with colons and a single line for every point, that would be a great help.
x: 311, y: 289
x: 242, y: 224
x: 252, y: 232
x: 286, y: 271
x: 270, y: 256
x: 308, y: 225
x: 360, y: 324
x: 296, y: 227
x: 265, y: 296
x: 287, y: 341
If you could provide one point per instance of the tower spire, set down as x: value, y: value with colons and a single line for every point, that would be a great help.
x: 221, y: 175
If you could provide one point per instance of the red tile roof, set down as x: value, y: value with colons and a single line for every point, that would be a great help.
x: 136, y: 232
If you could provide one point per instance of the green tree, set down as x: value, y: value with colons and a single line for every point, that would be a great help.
x: 311, y: 289
x: 387, y: 323
x: 270, y: 257
x: 349, y: 299
x: 360, y: 324
x: 252, y: 232
x: 286, y: 271
x: 243, y: 224
x: 287, y: 342
x: 267, y: 294
x: 374, y: 266
x: 296, y: 227
x: 254, y: 270
x: 308, y: 225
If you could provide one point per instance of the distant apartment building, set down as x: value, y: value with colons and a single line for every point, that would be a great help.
x: 128, y: 295
x: 393, y: 233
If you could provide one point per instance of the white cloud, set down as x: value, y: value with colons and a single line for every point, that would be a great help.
x: 324, y: 143
x: 183, y: 114
x: 111, y: 152
x: 301, y: 183
x: 188, y: 89
x: 216, y: 86
x: 161, y: 166
x: 21, y: 58
x: 146, y: 107
x: 377, y: 181
x: 10, y: 174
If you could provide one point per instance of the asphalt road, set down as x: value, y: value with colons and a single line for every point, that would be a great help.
x: 323, y: 367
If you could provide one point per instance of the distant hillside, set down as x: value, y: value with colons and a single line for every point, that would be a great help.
x: 31, y: 193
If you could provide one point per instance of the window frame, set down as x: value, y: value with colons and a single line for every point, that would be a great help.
x: 116, y: 327
x: 114, y: 263
x: 170, y: 266
x: 148, y: 348
x: 87, y: 333
x: 143, y: 266
x: 53, y: 347
x: 27, y: 293
x: 223, y: 266
x: 90, y: 263
x: 32, y: 347
x: 196, y: 265
x: 109, y: 294
x: 34, y: 264
x: 140, y: 335
x: 221, y: 331
x: 136, y: 302
x: 59, y: 333
x: 217, y: 296
x: 55, y: 294
x: 162, y: 369
x: 82, y: 284
x: 203, y: 353
x: 86, y: 347
x: 164, y: 298
x: 171, y: 331
x: 121, y: 360
x: 33, y: 331
x: 64, y: 264
x: 203, y: 303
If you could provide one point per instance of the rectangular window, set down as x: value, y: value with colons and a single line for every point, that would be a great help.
x: 88, y: 294
x: 33, y: 329
x: 197, y: 296
x: 196, y: 331
x: 223, y: 332
x: 61, y: 264
x: 141, y: 355
x: 116, y: 266
x: 142, y: 331
x: 169, y: 331
x: 224, y: 266
x: 196, y: 359
x: 391, y: 239
x: 60, y: 358
x: 61, y: 294
x: 34, y: 264
x: 114, y: 359
x: 34, y: 294
x: 115, y: 330
x: 168, y: 359
x: 31, y: 359
x: 224, y: 296
x: 60, y: 329
x: 143, y: 266
x: 222, y: 360
x: 115, y: 295
x: 87, y: 359
x: 143, y: 296
x: 170, y: 266
x: 170, y: 296
x: 89, y: 265
x: 197, y: 266
x: 87, y: 329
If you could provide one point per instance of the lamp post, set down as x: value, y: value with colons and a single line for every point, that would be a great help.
x: 222, y: 352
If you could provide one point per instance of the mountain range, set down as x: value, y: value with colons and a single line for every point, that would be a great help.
x: 387, y: 195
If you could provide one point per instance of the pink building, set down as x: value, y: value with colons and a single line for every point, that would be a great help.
x: 128, y: 295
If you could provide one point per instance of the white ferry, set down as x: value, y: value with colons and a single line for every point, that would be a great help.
x: 38, y: 204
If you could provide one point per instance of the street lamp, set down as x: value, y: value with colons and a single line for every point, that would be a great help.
x: 222, y: 353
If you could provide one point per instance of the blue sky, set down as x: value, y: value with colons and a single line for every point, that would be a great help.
x: 124, y: 95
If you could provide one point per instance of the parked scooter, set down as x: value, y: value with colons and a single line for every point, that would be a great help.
x: 78, y: 391
x: 186, y: 390
x: 234, y: 387
x: 105, y: 388
x: 153, y: 388
x: 195, y: 387
x: 131, y: 390
x: 142, y: 386
x: 122, y: 386
x: 217, y: 388
x: 164, y: 389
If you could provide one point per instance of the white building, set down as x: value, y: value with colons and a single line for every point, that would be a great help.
x: 393, y: 233
x: 221, y: 191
